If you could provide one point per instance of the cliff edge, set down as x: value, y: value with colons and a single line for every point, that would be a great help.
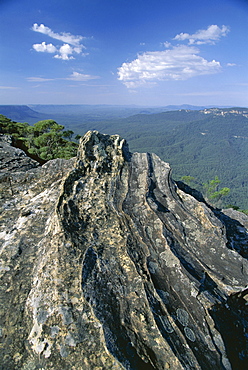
x: 106, y: 263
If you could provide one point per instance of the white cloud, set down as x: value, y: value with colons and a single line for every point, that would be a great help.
x: 64, y: 52
x: 209, y: 36
x: 43, y: 47
x: 65, y: 37
x: 78, y: 49
x: 76, y: 76
x: 231, y: 64
x: 8, y: 87
x: 179, y: 63
x: 39, y: 79
x: 72, y: 44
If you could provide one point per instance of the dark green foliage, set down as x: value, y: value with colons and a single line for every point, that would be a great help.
x: 236, y: 208
x: 45, y: 139
x: 78, y: 137
x: 10, y: 127
x: 188, y: 179
x: 210, y: 189
x: 68, y: 134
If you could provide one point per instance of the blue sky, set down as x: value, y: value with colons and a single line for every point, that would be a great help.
x: 142, y: 52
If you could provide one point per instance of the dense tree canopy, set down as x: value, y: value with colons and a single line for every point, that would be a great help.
x: 45, y: 139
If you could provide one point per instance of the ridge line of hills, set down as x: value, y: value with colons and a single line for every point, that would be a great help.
x: 33, y: 111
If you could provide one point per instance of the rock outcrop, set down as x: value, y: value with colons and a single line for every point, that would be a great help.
x: 13, y: 159
x: 107, y: 263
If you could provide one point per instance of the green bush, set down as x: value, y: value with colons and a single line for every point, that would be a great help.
x: 210, y: 189
x: 45, y: 139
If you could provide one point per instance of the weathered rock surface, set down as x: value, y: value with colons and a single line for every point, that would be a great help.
x: 107, y: 264
x: 13, y: 159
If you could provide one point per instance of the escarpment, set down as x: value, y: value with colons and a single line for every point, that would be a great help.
x: 106, y: 263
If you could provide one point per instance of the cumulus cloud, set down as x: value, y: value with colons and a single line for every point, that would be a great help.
x: 209, y: 36
x: 45, y: 48
x: 72, y: 44
x: 64, y: 36
x: 179, y: 63
x: 65, y: 52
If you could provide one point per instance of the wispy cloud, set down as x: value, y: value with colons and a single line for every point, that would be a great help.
x: 72, y: 44
x: 39, y: 79
x: 209, y: 36
x: 8, y: 88
x: 75, y: 76
x: 179, y: 63
x: 63, y: 36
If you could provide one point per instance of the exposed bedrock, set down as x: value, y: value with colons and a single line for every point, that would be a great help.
x: 107, y: 264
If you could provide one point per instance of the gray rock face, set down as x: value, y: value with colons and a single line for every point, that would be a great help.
x: 13, y: 159
x: 107, y: 264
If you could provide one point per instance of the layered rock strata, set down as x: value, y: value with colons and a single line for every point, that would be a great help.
x: 106, y: 263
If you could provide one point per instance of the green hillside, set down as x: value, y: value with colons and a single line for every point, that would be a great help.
x: 213, y: 146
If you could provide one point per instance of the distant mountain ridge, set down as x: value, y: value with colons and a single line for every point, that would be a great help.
x: 32, y: 112
x: 19, y: 112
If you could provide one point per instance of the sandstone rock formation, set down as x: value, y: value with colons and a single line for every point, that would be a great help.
x: 107, y: 263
